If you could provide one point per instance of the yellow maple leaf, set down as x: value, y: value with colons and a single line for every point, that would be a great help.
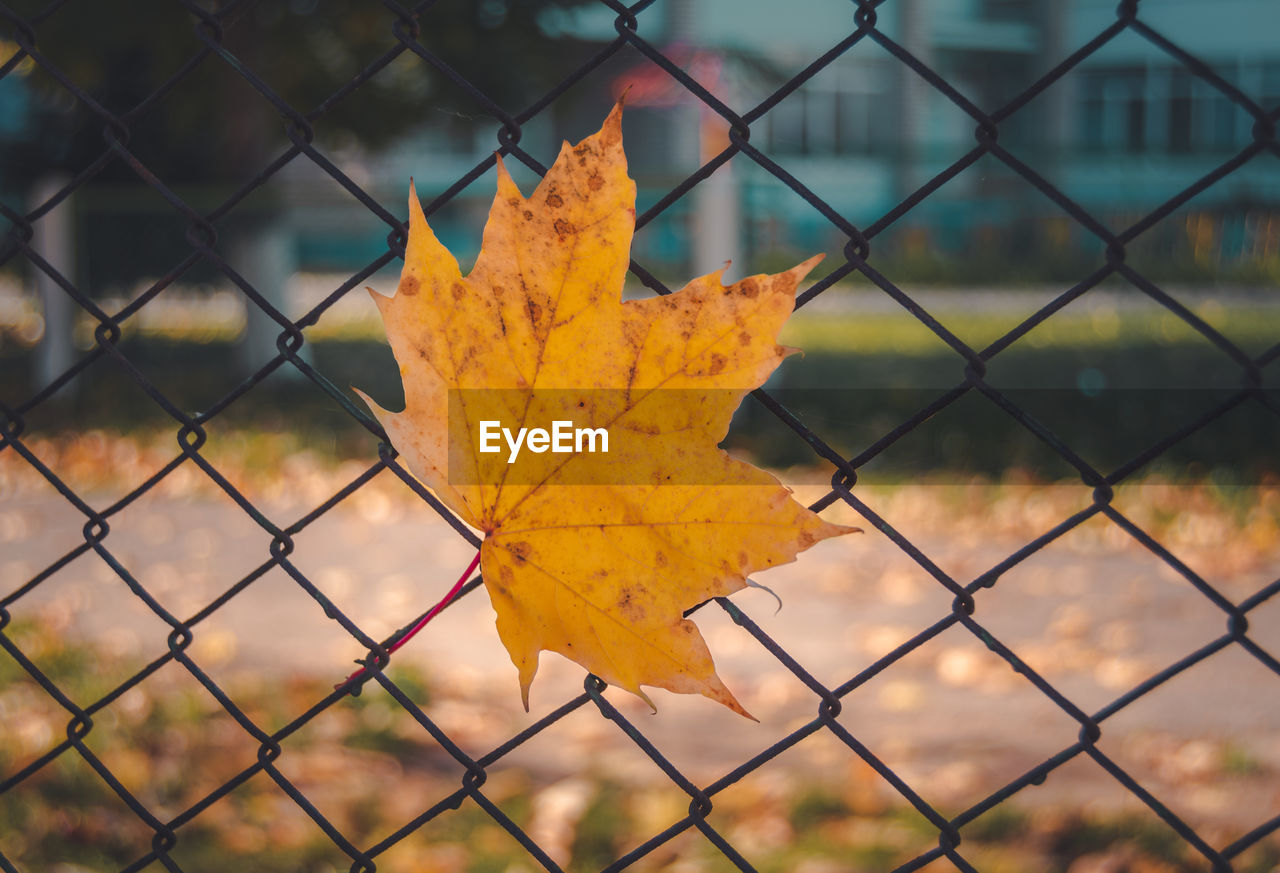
x: 600, y: 565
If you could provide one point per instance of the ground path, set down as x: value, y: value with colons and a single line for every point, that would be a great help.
x: 1095, y: 613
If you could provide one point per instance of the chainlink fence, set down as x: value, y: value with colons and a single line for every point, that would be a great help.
x: 404, y: 24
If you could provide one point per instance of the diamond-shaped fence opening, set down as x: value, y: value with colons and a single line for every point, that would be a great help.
x: 201, y: 133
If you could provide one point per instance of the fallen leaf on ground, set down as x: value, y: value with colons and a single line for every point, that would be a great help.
x: 595, y: 556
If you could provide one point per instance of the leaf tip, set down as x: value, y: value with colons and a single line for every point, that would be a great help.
x: 527, y: 672
x: 507, y: 187
x: 417, y: 219
x: 732, y: 702
x: 415, y: 205
x: 803, y: 268
x: 720, y: 693
x: 611, y: 130
x: 838, y: 530
x: 383, y: 416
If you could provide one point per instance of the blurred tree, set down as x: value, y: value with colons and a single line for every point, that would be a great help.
x: 214, y: 126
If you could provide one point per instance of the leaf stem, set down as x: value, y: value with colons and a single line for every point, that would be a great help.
x: 422, y: 622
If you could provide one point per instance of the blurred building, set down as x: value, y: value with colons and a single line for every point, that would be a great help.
x: 1119, y: 134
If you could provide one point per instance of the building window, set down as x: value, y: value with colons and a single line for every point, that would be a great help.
x: 1181, y: 137
x: 1124, y: 95
x: 1092, y: 122
x: 1201, y: 118
x: 1168, y: 110
x: 1269, y: 99
x: 1220, y: 122
x: 855, y: 123
x: 1215, y: 118
x: 1004, y: 10
x: 849, y: 119
x: 1133, y: 107
x: 1113, y: 110
x: 787, y: 126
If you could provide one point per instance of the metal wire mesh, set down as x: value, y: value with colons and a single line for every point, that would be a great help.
x: 403, y: 25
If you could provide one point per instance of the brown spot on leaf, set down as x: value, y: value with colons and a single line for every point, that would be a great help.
x: 458, y: 291
x: 744, y: 339
x: 535, y: 312
x: 521, y: 550
x: 409, y: 286
x: 563, y: 227
x: 718, y: 363
x: 528, y: 215
x: 595, y: 181
x: 554, y: 200
x: 634, y: 332
x: 631, y: 604
x: 806, y: 539
x: 749, y: 288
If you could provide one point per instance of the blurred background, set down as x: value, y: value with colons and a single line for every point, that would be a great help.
x: 1122, y: 132
x: 109, y: 104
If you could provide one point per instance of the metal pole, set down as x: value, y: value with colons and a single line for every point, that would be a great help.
x: 53, y: 240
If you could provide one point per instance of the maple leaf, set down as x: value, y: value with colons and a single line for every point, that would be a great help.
x: 600, y: 573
